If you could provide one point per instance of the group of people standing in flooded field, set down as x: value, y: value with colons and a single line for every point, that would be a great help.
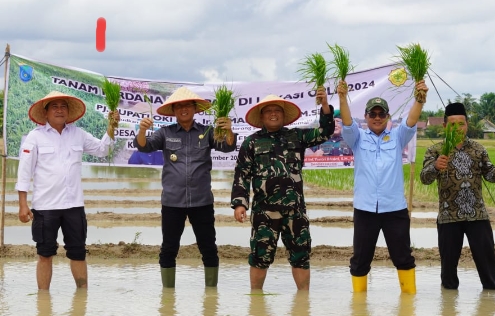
x: 270, y: 163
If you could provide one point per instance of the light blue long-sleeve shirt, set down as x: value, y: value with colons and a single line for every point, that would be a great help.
x: 378, y: 174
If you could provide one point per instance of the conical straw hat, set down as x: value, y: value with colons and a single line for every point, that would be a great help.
x: 291, y: 110
x: 180, y: 95
x: 77, y: 108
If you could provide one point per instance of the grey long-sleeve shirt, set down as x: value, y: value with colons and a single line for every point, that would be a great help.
x: 186, y: 181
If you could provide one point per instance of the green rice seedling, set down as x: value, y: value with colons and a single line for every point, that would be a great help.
x: 416, y: 61
x: 453, y: 137
x: 341, y: 65
x: 112, y: 97
x: 147, y: 100
x: 314, y: 70
x: 223, y: 104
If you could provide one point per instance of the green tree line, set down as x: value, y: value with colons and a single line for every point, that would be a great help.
x: 477, y: 110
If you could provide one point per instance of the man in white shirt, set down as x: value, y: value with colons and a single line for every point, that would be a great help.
x: 51, y: 155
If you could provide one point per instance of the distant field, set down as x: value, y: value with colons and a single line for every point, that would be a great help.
x: 342, y: 179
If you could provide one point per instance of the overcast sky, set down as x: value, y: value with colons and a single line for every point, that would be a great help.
x: 255, y: 40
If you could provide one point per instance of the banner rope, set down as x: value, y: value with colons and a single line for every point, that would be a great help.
x: 443, y: 82
x: 484, y: 182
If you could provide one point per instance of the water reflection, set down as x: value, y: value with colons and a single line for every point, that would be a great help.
x: 358, y: 304
x: 257, y: 303
x: 406, y: 304
x: 300, y: 303
x: 44, y: 303
x: 78, y: 305
x: 167, y: 306
x: 210, y: 302
x: 486, y: 303
x: 113, y: 172
x: 448, y: 305
x: 79, y: 302
x: 116, y: 172
x: 133, y: 287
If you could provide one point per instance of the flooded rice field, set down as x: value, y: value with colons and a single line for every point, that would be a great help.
x: 134, y: 288
x: 233, y: 234
x: 124, y: 206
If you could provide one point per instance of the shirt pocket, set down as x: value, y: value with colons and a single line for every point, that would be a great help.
x: 293, y: 157
x: 76, y: 153
x: 201, y: 150
x: 262, y: 157
x: 173, y: 148
x: 369, y: 150
x: 389, y: 150
x: 47, y: 156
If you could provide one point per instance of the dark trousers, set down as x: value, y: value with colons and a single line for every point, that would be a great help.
x: 395, y: 227
x: 202, y: 220
x: 72, y: 221
x: 480, y: 238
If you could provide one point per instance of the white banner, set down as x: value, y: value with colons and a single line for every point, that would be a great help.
x: 31, y: 80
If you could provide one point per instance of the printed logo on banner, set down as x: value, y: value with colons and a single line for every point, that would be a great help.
x: 25, y: 72
x: 398, y: 76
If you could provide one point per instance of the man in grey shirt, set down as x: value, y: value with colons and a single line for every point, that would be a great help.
x: 186, y: 179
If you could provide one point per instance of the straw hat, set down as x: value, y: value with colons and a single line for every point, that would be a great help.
x: 37, y: 113
x: 179, y: 95
x: 291, y: 110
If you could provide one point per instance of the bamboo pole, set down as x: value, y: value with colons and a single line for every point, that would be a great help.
x: 4, y: 158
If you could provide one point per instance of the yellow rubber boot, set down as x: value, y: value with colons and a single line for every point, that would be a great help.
x: 407, y: 280
x: 359, y: 283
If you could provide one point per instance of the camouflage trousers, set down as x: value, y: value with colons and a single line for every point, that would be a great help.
x: 268, y: 226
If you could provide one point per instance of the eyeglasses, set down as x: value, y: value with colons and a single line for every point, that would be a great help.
x: 381, y: 115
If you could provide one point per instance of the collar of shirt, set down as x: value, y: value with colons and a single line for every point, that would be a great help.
x: 48, y: 127
x: 370, y: 132
x: 264, y: 131
x: 179, y: 127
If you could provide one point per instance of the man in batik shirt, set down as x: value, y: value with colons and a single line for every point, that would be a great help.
x: 462, y: 210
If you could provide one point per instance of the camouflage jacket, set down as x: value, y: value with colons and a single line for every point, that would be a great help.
x: 459, y: 187
x: 272, y: 162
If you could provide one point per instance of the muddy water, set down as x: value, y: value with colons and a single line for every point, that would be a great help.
x: 134, y: 288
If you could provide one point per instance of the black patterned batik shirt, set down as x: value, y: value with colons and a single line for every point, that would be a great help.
x: 460, y: 185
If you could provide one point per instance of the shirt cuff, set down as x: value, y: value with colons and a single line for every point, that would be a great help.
x: 23, y: 186
x: 106, y: 139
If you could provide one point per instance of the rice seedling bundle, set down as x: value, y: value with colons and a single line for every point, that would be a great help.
x: 416, y: 61
x: 341, y: 65
x: 453, y: 136
x: 112, y: 98
x: 223, y: 104
x: 314, y: 69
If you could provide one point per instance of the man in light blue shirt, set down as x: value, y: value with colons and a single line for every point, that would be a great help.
x: 379, y: 201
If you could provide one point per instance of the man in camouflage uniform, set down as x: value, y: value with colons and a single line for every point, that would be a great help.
x: 462, y: 210
x: 272, y: 159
